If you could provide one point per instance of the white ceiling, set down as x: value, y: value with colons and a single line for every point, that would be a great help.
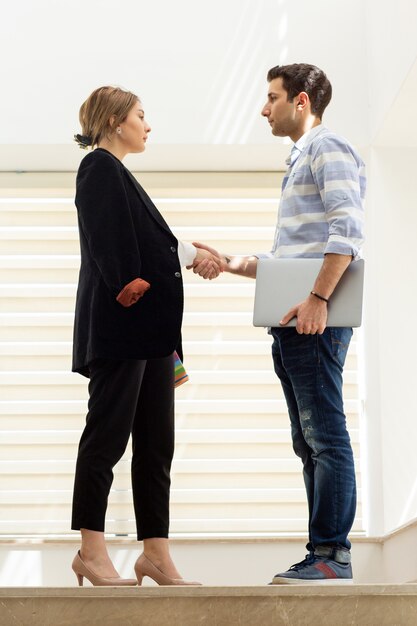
x: 198, y: 66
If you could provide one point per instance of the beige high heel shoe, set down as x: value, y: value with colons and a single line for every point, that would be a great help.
x: 82, y: 571
x: 145, y: 567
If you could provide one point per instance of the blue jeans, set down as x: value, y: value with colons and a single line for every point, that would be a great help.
x: 310, y: 370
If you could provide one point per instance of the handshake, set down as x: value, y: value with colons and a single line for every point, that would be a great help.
x: 208, y: 263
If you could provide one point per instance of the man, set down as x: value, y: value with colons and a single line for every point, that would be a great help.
x: 320, y: 215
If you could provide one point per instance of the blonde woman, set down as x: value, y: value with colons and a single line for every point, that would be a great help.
x: 127, y: 328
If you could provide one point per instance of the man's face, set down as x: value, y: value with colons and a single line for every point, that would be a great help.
x: 281, y: 114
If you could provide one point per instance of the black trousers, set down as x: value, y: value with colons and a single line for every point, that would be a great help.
x: 127, y: 397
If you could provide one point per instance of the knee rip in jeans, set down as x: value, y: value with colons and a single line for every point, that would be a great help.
x: 307, y: 428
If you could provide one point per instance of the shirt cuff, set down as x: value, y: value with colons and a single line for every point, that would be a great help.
x: 132, y: 292
x: 342, y: 246
x: 263, y: 255
x: 186, y: 253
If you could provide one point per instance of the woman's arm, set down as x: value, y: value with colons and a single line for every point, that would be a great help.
x: 106, y: 222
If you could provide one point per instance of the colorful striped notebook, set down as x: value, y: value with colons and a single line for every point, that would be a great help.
x: 181, y: 375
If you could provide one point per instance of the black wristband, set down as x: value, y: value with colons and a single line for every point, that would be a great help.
x: 313, y: 293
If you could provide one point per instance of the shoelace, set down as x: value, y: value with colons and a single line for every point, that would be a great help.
x: 306, y: 561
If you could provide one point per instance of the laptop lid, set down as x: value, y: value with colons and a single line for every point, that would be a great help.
x: 283, y: 283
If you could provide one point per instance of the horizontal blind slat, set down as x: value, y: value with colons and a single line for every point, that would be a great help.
x: 234, y: 470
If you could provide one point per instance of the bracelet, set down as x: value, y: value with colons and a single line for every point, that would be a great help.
x: 313, y: 293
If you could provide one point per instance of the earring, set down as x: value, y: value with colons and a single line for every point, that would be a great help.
x: 118, y: 130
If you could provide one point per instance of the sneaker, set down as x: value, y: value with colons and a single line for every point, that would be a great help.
x: 319, y: 567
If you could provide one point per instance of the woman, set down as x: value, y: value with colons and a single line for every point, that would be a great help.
x: 127, y: 327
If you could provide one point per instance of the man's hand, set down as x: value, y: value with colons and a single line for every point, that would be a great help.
x: 311, y: 316
x: 240, y: 265
x: 312, y: 313
x: 221, y: 258
x: 207, y: 262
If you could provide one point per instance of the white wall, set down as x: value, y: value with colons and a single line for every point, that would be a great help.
x: 393, y: 342
x: 391, y: 50
x: 200, y: 68
x: 391, y: 404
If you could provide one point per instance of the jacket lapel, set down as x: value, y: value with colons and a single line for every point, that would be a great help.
x: 147, y: 201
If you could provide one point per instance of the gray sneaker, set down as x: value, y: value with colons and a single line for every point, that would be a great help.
x: 326, y: 565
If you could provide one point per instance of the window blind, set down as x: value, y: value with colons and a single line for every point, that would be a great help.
x: 234, y: 471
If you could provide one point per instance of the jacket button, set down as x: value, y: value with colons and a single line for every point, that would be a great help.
x: 173, y: 249
x: 177, y: 274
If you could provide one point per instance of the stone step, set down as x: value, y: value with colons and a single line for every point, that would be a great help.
x: 330, y: 605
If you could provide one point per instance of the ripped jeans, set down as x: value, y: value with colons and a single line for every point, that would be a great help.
x: 310, y: 370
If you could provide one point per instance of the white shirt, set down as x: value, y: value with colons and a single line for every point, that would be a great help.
x: 186, y: 253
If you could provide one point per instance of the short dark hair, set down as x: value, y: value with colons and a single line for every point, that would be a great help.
x: 300, y: 77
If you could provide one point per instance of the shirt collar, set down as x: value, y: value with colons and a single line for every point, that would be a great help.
x: 308, y: 137
x: 299, y: 145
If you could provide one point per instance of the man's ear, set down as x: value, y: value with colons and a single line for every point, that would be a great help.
x: 302, y: 100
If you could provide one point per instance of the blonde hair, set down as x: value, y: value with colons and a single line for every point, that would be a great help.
x: 96, y: 111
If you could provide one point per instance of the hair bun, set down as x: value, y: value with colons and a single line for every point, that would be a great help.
x: 83, y: 141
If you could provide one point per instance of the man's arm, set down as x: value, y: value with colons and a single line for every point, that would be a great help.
x: 312, y: 312
x: 340, y: 179
x: 241, y: 265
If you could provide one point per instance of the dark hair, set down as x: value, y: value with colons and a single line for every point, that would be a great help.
x: 300, y: 77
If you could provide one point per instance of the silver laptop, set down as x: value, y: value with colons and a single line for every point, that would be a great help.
x: 283, y: 283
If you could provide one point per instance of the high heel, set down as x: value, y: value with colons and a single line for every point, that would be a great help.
x: 82, y: 571
x: 145, y: 567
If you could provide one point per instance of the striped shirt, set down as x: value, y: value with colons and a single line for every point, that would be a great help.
x: 321, y: 208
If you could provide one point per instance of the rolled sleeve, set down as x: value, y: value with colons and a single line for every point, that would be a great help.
x: 339, y: 176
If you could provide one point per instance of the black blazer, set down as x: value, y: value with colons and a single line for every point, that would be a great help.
x: 123, y: 237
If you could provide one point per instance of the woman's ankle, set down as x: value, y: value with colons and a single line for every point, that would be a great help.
x: 156, y: 548
x: 93, y: 545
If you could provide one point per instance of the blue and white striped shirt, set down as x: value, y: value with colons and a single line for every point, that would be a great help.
x: 321, y: 208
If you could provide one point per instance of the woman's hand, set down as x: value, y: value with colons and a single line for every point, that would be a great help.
x: 207, y: 263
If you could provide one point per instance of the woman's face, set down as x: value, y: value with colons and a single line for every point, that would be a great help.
x: 134, y: 130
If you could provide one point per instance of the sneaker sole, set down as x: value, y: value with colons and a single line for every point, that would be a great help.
x: 320, y: 581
